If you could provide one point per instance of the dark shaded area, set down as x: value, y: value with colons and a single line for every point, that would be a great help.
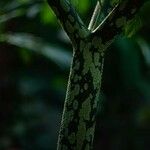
x: 35, y: 56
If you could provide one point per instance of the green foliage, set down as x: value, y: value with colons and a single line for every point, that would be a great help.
x: 81, y: 6
x: 133, y: 26
x: 29, y: 42
x: 47, y: 16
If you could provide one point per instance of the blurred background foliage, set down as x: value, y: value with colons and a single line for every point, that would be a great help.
x: 35, y: 56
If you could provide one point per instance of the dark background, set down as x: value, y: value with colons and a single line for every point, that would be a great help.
x: 35, y: 56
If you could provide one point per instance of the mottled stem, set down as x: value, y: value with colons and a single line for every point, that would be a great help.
x: 115, y: 23
x: 78, y: 122
x: 82, y: 97
x: 69, y: 19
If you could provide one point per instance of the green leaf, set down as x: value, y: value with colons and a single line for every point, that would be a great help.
x: 82, y: 6
x: 133, y: 26
x: 28, y: 41
x: 47, y: 15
